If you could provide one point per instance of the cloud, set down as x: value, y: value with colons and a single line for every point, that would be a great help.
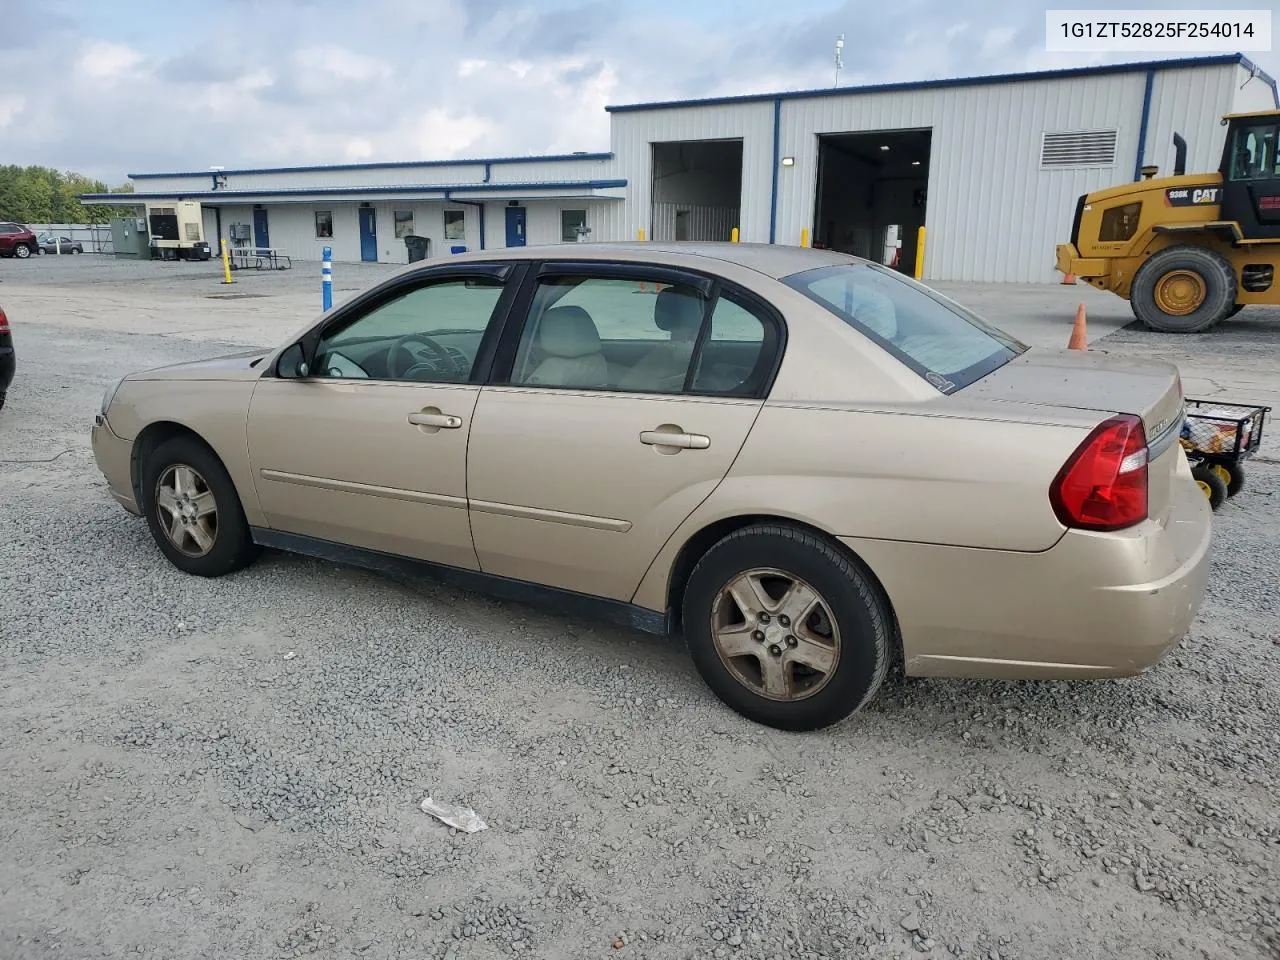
x: 294, y: 82
x: 103, y: 62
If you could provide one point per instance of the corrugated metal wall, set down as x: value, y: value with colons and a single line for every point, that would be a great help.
x: 1192, y: 103
x: 705, y: 222
x: 993, y: 212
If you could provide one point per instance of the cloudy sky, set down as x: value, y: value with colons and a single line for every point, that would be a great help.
x: 145, y: 85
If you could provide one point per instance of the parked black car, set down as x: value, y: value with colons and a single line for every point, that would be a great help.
x: 6, y: 356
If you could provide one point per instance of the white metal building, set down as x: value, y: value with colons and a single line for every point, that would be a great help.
x: 990, y: 166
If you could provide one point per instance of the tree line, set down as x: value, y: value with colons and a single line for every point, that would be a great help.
x: 44, y: 195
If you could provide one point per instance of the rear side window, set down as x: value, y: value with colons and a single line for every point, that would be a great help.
x: 941, y: 341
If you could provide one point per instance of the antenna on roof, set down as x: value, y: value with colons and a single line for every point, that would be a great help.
x: 839, y: 57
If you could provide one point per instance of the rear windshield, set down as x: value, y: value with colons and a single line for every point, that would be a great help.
x: 940, y: 340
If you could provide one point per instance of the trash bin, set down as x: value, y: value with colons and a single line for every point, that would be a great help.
x: 201, y: 251
x: 419, y: 247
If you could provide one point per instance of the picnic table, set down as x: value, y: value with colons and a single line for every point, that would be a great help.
x: 259, y: 258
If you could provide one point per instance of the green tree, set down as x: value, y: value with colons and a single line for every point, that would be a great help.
x: 43, y: 195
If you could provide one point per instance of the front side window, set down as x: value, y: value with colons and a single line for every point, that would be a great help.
x: 324, y: 224
x: 455, y: 224
x: 431, y: 334
x: 1254, y: 154
x: 599, y: 333
x: 941, y: 341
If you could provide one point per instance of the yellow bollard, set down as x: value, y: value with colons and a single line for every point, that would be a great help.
x: 919, y: 271
x: 804, y: 236
x: 640, y: 234
x: 733, y: 235
x: 226, y: 264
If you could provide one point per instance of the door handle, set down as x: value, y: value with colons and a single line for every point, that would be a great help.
x: 685, y: 441
x: 438, y: 420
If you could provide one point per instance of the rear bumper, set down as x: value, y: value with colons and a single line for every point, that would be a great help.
x: 114, y: 457
x: 1068, y: 260
x: 1094, y: 605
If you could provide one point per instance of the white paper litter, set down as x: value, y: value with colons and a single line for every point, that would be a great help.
x: 460, y: 818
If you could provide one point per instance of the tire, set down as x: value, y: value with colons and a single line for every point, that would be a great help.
x: 1213, y: 486
x: 232, y: 547
x: 852, y: 628
x: 1236, y: 308
x: 1214, y: 274
x: 1236, y: 473
x: 22, y: 251
x: 2, y: 397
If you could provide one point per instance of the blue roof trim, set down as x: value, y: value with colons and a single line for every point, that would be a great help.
x: 440, y: 188
x: 1063, y: 74
x: 397, y: 165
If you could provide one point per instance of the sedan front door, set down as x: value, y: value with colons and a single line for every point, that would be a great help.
x: 616, y: 420
x: 370, y: 449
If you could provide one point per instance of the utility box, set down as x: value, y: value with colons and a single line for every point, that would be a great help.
x: 130, y: 238
x: 177, y: 230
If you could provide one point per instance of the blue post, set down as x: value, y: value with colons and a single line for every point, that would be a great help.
x: 326, y: 277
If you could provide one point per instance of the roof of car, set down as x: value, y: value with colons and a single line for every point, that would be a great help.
x: 773, y: 260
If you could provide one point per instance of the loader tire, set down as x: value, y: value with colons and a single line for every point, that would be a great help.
x: 1183, y: 289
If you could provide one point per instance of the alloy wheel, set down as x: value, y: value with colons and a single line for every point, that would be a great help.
x: 775, y: 633
x: 186, y: 510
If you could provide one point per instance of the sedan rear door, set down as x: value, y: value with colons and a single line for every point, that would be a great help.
x: 619, y: 404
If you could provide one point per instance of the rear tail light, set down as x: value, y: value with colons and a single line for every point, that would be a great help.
x: 4, y: 322
x: 1103, y: 486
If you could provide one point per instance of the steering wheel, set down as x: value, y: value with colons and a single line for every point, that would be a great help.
x: 436, y: 356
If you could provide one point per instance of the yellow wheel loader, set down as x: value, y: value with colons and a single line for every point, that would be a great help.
x: 1190, y: 250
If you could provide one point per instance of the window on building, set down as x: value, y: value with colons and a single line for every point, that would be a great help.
x: 570, y: 222
x: 404, y: 223
x: 324, y: 223
x: 455, y: 225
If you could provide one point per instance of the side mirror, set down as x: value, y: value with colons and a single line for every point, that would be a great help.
x: 292, y: 363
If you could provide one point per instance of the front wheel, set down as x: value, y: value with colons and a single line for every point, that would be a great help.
x: 785, y: 628
x: 193, y: 510
x: 22, y: 251
x: 1183, y: 289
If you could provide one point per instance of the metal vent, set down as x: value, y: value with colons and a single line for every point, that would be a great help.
x: 1087, y: 148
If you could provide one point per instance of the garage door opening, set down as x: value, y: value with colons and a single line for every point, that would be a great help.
x: 871, y: 194
x: 697, y: 189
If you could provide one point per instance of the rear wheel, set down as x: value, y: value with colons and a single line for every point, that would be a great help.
x: 786, y: 629
x: 1183, y: 289
x: 193, y: 510
x: 1233, y: 476
x: 1234, y: 310
x: 1210, y: 483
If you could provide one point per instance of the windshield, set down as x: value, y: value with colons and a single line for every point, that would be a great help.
x: 943, y: 342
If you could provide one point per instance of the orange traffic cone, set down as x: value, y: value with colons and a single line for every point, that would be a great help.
x: 1068, y: 278
x: 1079, y: 335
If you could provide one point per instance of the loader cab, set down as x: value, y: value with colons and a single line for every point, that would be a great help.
x: 1251, y: 174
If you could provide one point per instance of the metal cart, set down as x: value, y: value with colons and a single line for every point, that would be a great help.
x: 1218, y: 437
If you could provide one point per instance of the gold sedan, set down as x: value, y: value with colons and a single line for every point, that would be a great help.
x: 805, y: 463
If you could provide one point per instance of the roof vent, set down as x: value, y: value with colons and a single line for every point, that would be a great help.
x: 1086, y: 148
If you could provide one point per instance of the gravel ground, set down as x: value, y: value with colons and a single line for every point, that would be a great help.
x: 234, y: 768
